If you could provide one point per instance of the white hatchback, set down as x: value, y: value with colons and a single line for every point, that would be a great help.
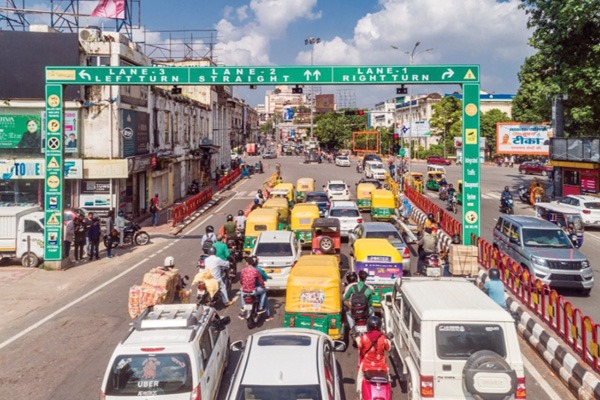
x: 287, y: 363
x: 588, y: 206
x: 277, y: 252
x: 337, y: 190
x: 342, y: 161
x: 347, y: 213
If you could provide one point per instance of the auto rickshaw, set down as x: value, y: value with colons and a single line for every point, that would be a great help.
x: 313, y: 298
x: 291, y: 192
x: 258, y: 221
x: 568, y: 218
x: 283, y: 209
x: 433, y: 180
x: 383, y: 205
x: 326, y: 236
x: 363, y: 195
x: 381, y: 260
x: 459, y: 190
x: 302, y: 218
x: 303, y: 186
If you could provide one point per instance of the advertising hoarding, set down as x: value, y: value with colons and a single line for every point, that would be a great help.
x: 20, y: 131
x: 521, y: 138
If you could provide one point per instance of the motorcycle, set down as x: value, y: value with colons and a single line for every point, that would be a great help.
x: 443, y: 192
x: 432, y: 265
x: 507, y: 206
x: 359, y: 168
x: 250, y: 309
x: 524, y: 194
x: 194, y: 187
x: 359, y: 328
x: 376, y: 386
x: 452, y: 204
x: 133, y: 234
x: 203, y: 296
x: 234, y: 249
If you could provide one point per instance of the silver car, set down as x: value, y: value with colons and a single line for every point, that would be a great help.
x: 383, y: 230
x: 348, y: 214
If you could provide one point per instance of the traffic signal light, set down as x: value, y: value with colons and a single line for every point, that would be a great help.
x: 297, y: 90
x: 354, y: 112
x: 396, y: 148
x: 402, y: 90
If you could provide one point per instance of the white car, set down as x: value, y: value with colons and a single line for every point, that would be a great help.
x: 287, y: 363
x: 347, y: 213
x: 337, y: 190
x: 277, y: 252
x: 588, y: 206
x: 375, y: 170
x: 342, y: 161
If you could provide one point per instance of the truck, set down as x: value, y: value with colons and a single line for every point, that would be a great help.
x: 251, y: 149
x: 18, y: 226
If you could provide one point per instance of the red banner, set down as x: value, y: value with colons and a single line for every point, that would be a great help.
x: 110, y: 9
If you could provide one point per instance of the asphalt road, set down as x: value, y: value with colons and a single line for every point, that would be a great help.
x: 60, y: 330
x: 493, y: 181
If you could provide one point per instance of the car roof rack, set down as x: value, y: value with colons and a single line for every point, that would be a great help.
x: 169, y: 316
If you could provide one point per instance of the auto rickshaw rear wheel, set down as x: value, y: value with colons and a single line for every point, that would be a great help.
x: 326, y: 244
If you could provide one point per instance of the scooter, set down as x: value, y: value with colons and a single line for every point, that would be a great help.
x: 443, y: 192
x: 432, y: 265
x: 452, y: 204
x: 507, y: 206
x: 250, y: 309
x: 359, y: 328
x: 376, y: 386
x: 524, y: 194
x: 194, y: 187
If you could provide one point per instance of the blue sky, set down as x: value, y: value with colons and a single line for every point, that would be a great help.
x: 490, y: 33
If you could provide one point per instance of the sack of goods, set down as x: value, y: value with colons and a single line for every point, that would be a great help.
x: 462, y: 260
x: 159, y: 286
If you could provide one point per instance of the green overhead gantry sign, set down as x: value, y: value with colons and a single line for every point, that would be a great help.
x: 56, y: 77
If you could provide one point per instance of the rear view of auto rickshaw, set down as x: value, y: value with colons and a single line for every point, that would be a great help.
x: 414, y: 180
x: 303, y: 186
x: 363, y: 195
x: 382, y: 262
x: 258, y: 221
x: 290, y: 195
x: 433, y: 180
x: 326, y: 236
x: 303, y: 215
x: 313, y: 298
x: 567, y: 217
x: 283, y: 209
x: 383, y: 205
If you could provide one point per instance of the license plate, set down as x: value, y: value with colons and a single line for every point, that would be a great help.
x: 201, y: 292
x: 433, y: 272
x: 248, y: 307
x: 361, y: 328
x: 270, y: 271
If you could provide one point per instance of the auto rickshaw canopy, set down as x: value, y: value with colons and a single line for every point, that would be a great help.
x: 375, y: 250
x: 382, y: 198
x: 260, y: 220
x: 303, y: 215
x: 280, y: 204
x: 284, y: 186
x: 314, y: 288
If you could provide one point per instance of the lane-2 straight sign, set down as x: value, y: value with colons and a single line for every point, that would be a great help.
x: 304, y: 75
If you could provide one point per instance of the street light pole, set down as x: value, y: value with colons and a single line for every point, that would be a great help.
x: 311, y: 41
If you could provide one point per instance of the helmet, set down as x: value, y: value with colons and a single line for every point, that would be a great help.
x: 212, y: 251
x: 430, y: 215
x: 210, y: 229
x: 169, y: 262
x: 351, y: 277
x: 241, y: 212
x: 506, y: 188
x: 374, y: 322
x: 229, y: 217
x: 121, y: 213
x: 451, y: 185
x: 252, y: 260
x: 259, y: 191
x: 494, y: 274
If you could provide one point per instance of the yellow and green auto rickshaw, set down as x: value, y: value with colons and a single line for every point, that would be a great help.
x: 313, y: 298
x: 303, y: 215
x: 383, y: 205
x: 433, y: 180
x: 284, y: 190
x: 258, y: 221
x: 303, y: 186
x: 363, y: 195
x: 283, y: 209
x: 381, y: 260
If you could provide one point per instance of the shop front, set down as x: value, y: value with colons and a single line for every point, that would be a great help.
x: 136, y: 196
x: 576, y: 162
x: 579, y: 178
x: 103, y: 186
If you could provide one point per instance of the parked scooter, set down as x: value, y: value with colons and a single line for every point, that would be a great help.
x: 133, y: 234
x: 194, y: 187
x: 250, y: 309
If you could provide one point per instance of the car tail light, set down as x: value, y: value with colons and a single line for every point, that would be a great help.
x: 292, y: 322
x: 406, y: 253
x: 521, y: 392
x: 587, y: 212
x: 359, y: 221
x: 201, y: 286
x: 152, y: 349
x: 426, y: 386
x: 196, y: 393
x: 248, y: 299
x: 102, y: 395
x: 328, y: 204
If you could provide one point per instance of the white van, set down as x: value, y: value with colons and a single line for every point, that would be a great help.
x: 375, y: 169
x: 451, y: 341
x: 18, y: 225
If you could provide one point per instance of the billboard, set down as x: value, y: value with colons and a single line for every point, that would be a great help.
x: 288, y: 114
x: 20, y: 131
x: 521, y: 138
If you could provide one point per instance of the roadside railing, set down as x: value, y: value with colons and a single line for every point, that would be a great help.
x: 577, y: 330
x: 229, y: 178
x: 183, y: 210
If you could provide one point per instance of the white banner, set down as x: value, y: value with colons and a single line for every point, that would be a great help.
x: 520, y: 138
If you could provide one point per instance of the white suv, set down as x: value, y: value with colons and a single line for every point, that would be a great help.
x: 337, y: 190
x: 277, y: 252
x: 451, y: 341
x: 347, y: 213
x: 173, y: 351
x: 287, y: 363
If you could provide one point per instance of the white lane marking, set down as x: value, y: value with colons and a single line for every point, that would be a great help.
x: 592, y: 236
x: 98, y: 288
x: 540, y: 379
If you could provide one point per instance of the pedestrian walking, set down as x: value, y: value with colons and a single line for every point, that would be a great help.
x: 80, y: 238
x: 109, y: 225
x: 69, y: 238
x: 94, y: 239
x: 154, y: 209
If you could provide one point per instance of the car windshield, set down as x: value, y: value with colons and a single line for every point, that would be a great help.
x: 273, y: 250
x: 345, y: 158
x: 278, y: 392
x: 592, y: 206
x: 459, y: 341
x: 316, y: 198
x: 389, y: 235
x: 149, y: 375
x: 344, y: 212
x: 555, y: 238
x: 338, y: 187
x: 376, y: 166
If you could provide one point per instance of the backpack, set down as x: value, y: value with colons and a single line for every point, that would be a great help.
x: 208, y: 243
x: 152, y: 206
x: 359, y: 304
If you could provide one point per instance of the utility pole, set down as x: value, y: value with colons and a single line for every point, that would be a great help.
x: 311, y: 41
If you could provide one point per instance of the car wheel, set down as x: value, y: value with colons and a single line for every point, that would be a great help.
x: 326, y: 244
x: 522, y: 171
x: 30, y: 261
x: 544, y: 173
x: 478, y: 371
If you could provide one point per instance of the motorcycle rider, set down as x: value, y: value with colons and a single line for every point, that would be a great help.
x: 505, y: 197
x: 451, y: 192
x: 230, y: 227
x: 259, y: 199
x: 208, y: 235
x: 240, y: 221
x: 427, y: 246
x: 252, y: 279
x: 494, y: 288
x: 217, y: 266
x: 221, y: 246
x: 372, y: 347
x: 430, y: 222
x: 120, y: 224
x: 356, y: 288
x: 351, y: 280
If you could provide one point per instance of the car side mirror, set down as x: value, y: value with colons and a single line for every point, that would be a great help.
x: 338, y: 345
x: 238, y: 345
x: 514, y: 240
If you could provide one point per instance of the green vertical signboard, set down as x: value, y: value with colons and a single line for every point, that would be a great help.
x: 471, y: 179
x: 53, y: 193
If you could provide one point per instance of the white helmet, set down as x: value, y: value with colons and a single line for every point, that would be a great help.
x: 169, y: 262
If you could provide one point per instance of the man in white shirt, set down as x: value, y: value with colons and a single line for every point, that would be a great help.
x: 216, y: 266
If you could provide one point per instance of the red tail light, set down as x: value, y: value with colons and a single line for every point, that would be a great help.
x: 587, y: 212
x: 152, y: 349
x: 426, y: 386
x: 102, y: 395
x: 347, y: 191
x: 360, y: 221
x: 406, y: 253
x: 196, y: 393
x: 328, y: 204
x: 521, y: 392
x: 248, y: 299
x: 201, y: 286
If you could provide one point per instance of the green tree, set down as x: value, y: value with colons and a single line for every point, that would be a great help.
x: 446, y: 121
x: 566, y: 34
x: 333, y: 129
x: 488, y: 123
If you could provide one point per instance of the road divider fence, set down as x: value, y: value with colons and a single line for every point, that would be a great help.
x: 183, y: 210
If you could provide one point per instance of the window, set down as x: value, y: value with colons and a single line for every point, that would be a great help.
x: 571, y: 178
x: 329, y: 371
x: 566, y: 200
x: 167, y: 125
x: 33, y: 227
x: 406, y: 311
x: 415, y: 330
x: 273, y: 250
x: 176, y: 128
x: 499, y: 224
x: 214, y: 331
x: 186, y: 128
x: 389, y: 235
x: 592, y: 206
x: 205, y: 348
x: 515, y: 232
x: 506, y: 228
x: 344, y: 213
x: 458, y: 341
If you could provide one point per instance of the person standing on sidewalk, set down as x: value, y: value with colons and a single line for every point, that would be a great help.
x: 69, y: 238
x: 120, y: 223
x: 80, y: 238
x: 87, y: 222
x: 154, y: 209
x: 94, y: 238
x: 109, y: 226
